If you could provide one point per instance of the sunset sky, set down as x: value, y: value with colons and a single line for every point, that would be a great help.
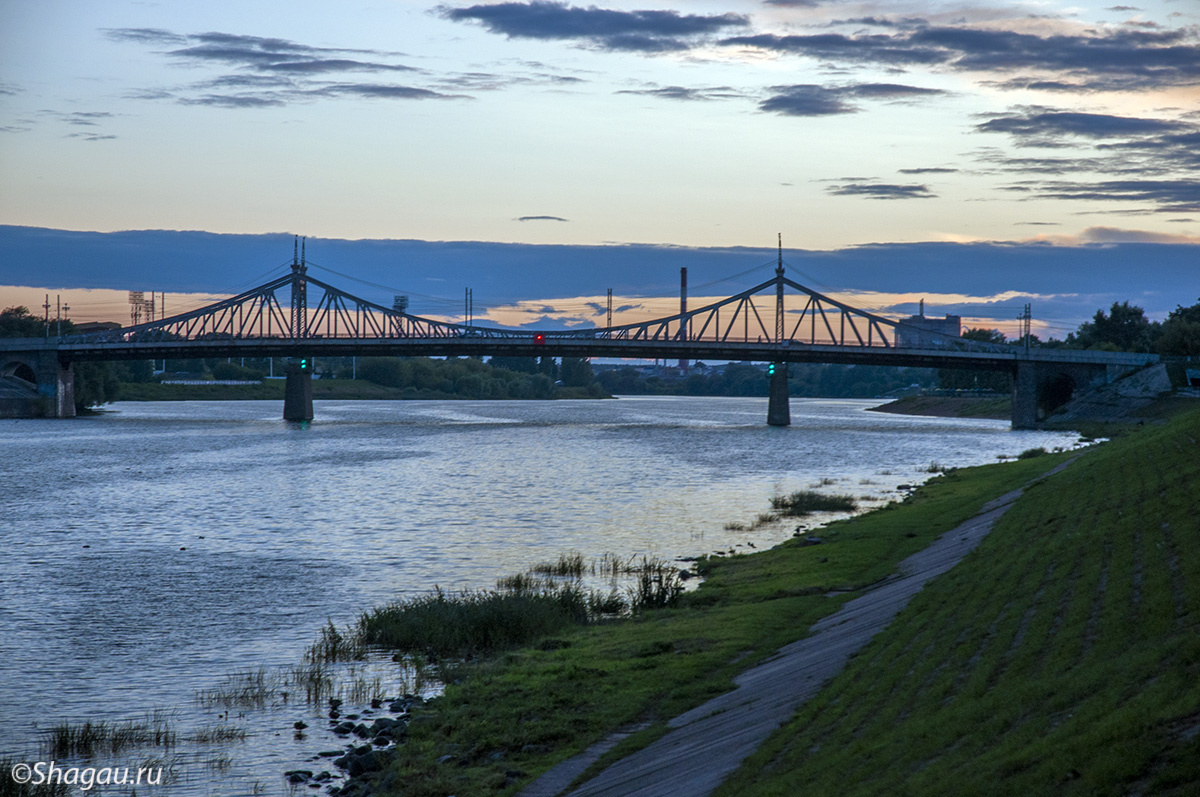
x: 709, y: 123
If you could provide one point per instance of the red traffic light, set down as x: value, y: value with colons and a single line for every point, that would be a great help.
x: 539, y: 338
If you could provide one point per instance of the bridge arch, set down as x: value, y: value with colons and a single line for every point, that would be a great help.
x: 1054, y: 391
x: 19, y: 369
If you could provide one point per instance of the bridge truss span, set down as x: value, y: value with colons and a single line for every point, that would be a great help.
x: 778, y: 321
x: 297, y: 308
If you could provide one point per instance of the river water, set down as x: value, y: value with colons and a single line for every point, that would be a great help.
x: 150, y: 552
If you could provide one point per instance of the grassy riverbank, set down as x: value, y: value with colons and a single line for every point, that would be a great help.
x: 508, y: 717
x: 1062, y: 657
x: 996, y: 407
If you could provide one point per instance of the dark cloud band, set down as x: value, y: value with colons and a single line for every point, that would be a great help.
x: 607, y: 29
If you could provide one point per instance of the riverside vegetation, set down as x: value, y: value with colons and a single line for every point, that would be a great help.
x: 1061, y: 656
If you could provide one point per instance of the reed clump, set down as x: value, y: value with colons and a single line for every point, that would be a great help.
x: 472, y: 623
x: 109, y: 738
x: 523, y: 607
x: 252, y: 688
x: 568, y: 565
x: 804, y: 502
x: 334, y: 645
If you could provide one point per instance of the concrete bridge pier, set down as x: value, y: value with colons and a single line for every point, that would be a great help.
x: 35, y: 384
x: 779, y: 412
x: 1041, y: 388
x: 297, y: 392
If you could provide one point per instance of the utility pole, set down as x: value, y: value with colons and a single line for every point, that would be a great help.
x: 610, y: 308
x: 47, y: 308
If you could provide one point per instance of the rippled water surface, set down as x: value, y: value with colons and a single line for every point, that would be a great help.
x: 151, y: 551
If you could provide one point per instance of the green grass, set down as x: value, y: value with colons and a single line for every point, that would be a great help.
x: 1062, y: 657
x: 998, y: 407
x: 525, y: 709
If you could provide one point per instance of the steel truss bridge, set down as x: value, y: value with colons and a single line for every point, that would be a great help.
x: 778, y: 321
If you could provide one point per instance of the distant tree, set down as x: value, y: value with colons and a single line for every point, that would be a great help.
x: 228, y: 370
x: 576, y: 372
x: 134, y: 370
x: 1123, y: 328
x: 959, y: 379
x: 984, y: 335
x: 96, y: 383
x: 523, y: 365
x: 16, y: 322
x: 1181, y: 332
x: 547, y: 366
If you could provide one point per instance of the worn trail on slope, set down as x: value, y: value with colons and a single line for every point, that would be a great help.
x: 709, y: 742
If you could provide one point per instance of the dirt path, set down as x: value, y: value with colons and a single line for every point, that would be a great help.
x: 709, y: 742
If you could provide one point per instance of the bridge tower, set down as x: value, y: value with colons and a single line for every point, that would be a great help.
x: 779, y: 411
x: 297, y: 394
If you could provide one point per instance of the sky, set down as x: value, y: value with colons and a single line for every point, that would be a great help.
x: 709, y: 125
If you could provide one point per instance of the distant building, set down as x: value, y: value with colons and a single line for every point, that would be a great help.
x: 95, y: 326
x: 924, y: 332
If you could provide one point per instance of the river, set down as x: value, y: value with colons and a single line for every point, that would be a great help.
x: 153, y: 550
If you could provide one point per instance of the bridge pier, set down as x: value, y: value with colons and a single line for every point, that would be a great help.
x: 1024, y: 397
x: 1041, y: 388
x: 297, y: 394
x: 779, y: 412
x: 35, y: 384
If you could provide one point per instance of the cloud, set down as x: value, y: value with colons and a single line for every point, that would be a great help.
x: 605, y: 29
x: 237, y: 100
x: 1106, y: 60
x: 272, y: 72
x: 808, y: 99
x: 384, y: 91
x: 91, y: 136
x: 1172, y: 196
x: 1112, y: 235
x: 929, y: 170
x: 83, y: 118
x: 1042, y: 127
x: 682, y: 93
x: 541, y: 218
x: 882, y: 191
x: 1136, y: 159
